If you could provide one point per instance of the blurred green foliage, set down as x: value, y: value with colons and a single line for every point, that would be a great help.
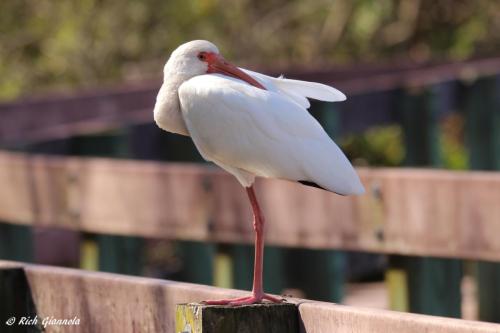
x: 453, y: 151
x: 378, y: 146
x: 48, y: 44
x: 383, y: 145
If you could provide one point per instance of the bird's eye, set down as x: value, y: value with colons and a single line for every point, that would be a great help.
x: 202, y: 56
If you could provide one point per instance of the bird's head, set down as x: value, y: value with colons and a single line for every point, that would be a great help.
x: 200, y: 57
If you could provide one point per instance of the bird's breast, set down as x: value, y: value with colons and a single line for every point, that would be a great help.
x: 167, y: 112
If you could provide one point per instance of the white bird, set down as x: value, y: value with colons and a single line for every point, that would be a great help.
x: 251, y: 125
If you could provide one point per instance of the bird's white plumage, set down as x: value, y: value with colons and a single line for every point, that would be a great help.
x: 254, y: 132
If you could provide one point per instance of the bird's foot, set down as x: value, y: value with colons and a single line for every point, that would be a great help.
x: 253, y: 299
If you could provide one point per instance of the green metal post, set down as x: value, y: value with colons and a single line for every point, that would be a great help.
x: 335, y: 261
x: 318, y: 273
x: 16, y: 242
x: 434, y: 283
x: 274, y: 267
x: 197, y: 262
x: 482, y: 112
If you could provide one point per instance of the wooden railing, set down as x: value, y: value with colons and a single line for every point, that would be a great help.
x: 104, y: 302
x: 405, y: 211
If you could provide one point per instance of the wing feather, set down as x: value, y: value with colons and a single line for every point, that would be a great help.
x: 299, y: 90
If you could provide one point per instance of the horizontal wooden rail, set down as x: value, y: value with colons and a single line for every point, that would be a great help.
x: 54, y: 117
x: 58, y: 117
x: 369, y: 79
x: 405, y: 211
x: 104, y: 302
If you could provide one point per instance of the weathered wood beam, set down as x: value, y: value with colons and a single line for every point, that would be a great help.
x: 405, y: 211
x: 105, y: 302
x: 369, y: 79
x: 57, y: 117
x: 325, y: 317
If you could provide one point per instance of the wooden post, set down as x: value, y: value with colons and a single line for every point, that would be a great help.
x: 434, y: 284
x: 257, y: 318
x: 483, y: 140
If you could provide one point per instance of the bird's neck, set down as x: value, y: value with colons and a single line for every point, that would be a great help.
x: 167, y: 111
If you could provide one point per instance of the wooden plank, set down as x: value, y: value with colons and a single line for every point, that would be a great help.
x: 106, y: 302
x: 256, y: 318
x: 66, y: 115
x: 419, y: 212
x: 368, y: 79
x: 317, y: 317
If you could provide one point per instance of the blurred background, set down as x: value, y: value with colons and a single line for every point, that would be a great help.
x: 422, y: 83
x: 52, y: 46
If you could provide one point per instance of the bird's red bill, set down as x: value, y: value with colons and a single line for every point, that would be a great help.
x: 217, y: 64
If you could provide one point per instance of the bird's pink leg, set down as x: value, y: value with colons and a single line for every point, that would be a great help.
x: 257, y: 290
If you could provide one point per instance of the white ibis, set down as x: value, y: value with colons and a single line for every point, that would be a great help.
x: 251, y: 125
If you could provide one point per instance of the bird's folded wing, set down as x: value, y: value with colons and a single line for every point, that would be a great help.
x: 262, y: 132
